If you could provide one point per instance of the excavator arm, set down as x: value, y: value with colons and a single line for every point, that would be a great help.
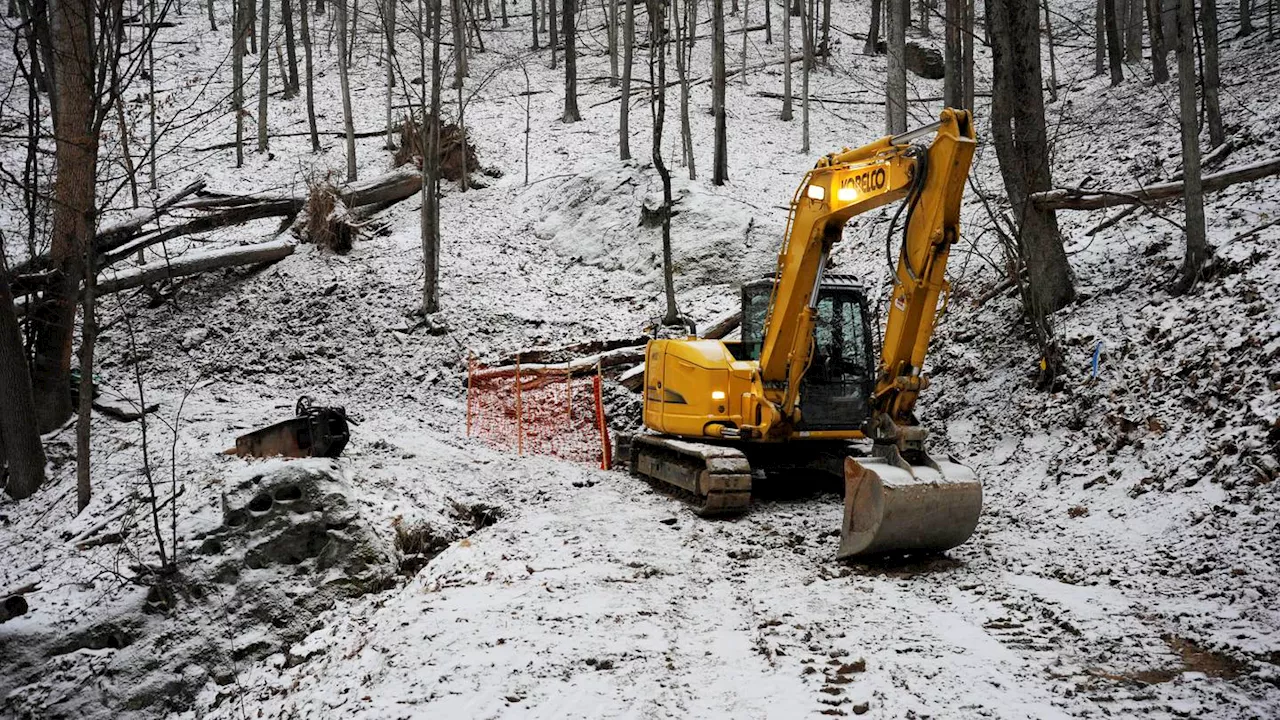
x: 840, y: 187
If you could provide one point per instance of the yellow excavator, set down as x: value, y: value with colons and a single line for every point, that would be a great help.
x: 797, y: 392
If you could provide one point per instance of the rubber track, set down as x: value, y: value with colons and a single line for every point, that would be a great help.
x: 716, y: 478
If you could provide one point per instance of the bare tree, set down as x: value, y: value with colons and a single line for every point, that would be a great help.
x: 720, y: 160
x: 686, y: 24
x: 1053, y: 55
x: 348, y: 123
x: 658, y: 109
x: 431, y: 170
x: 611, y: 22
x: 1210, y: 81
x: 895, y: 101
x: 872, y: 46
x: 1022, y: 149
x: 389, y: 28
x: 624, y: 111
x: 552, y: 40
x: 460, y: 42
x: 19, y: 434
x: 213, y: 23
x: 1246, y: 18
x: 571, y: 113
x: 952, y: 90
x: 806, y: 67
x: 966, y: 56
x: 75, y: 69
x: 1155, y: 30
x: 310, y: 78
x: 1113, y: 41
x: 263, y: 65
x: 787, y: 113
x: 1100, y: 37
x: 239, y: 28
x: 1132, y: 30
x: 290, y: 45
x: 1198, y: 252
x: 533, y: 13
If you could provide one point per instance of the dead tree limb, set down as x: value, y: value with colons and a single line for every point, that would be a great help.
x: 1078, y: 199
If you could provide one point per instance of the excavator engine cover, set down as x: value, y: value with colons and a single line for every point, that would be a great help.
x: 893, y: 506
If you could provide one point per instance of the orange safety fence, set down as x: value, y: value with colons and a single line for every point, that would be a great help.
x: 553, y: 410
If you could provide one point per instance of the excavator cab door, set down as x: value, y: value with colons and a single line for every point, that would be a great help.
x: 840, y: 379
x: 836, y: 389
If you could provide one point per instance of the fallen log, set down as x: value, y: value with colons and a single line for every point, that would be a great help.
x: 117, y: 234
x: 285, y: 207
x: 1077, y: 199
x: 567, y: 353
x: 194, y: 263
x: 582, y: 365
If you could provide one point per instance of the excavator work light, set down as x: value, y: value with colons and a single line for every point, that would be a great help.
x: 717, y: 394
x: 847, y: 194
x: 815, y: 192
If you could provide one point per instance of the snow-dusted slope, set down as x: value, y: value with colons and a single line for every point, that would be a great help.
x: 1126, y: 560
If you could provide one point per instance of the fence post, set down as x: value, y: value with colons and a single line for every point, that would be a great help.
x: 471, y: 368
x: 606, y: 450
x: 519, y: 412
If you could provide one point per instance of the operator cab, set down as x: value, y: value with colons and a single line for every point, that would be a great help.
x: 835, y: 391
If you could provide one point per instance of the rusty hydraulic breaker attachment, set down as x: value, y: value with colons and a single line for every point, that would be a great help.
x: 315, y: 432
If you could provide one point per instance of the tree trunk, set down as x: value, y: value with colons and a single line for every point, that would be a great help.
x: 431, y: 190
x: 1155, y: 29
x: 1246, y: 18
x: 263, y: 65
x: 19, y: 437
x: 1053, y: 59
x: 213, y: 23
x: 1198, y: 252
x: 84, y: 419
x: 74, y: 214
x: 746, y: 26
x: 389, y: 21
x: 787, y: 112
x: 966, y: 59
x: 658, y: 106
x: 290, y: 46
x: 895, y: 104
x: 310, y: 78
x: 551, y: 24
x: 344, y: 82
x: 1211, y: 82
x: 1113, y: 41
x: 952, y: 90
x: 533, y: 24
x: 872, y: 46
x: 1100, y: 37
x: 768, y: 23
x: 720, y: 163
x: 460, y: 42
x: 571, y: 113
x: 1018, y: 129
x: 624, y: 112
x: 611, y: 22
x: 825, y: 48
x: 685, y: 28
x: 806, y: 39
x: 237, y: 74
x: 1133, y: 31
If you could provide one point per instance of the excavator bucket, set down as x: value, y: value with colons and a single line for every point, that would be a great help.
x: 891, y: 506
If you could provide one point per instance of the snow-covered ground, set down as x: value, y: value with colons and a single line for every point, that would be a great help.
x: 1125, y: 565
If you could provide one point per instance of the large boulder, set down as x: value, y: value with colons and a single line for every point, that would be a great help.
x: 924, y: 61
